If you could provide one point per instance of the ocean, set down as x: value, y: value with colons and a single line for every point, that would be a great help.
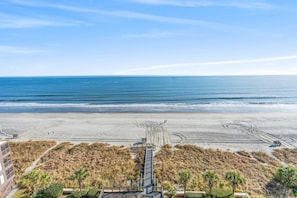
x: 148, y: 94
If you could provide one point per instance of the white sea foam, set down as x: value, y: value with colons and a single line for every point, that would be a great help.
x: 163, y: 107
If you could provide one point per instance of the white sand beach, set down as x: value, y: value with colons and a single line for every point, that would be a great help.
x: 227, y: 131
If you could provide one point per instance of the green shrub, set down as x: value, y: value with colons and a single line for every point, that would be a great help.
x: 216, y: 193
x: 222, y: 193
x: 92, y: 193
x: 39, y: 194
x: 194, y: 195
x: 53, y: 191
x: 171, y: 192
x: 76, y: 194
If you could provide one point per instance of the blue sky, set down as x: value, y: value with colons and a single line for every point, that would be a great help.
x: 148, y: 37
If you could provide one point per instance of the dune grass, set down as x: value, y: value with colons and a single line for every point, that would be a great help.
x: 107, y: 165
x: 114, y: 166
x: 289, y: 156
x: 24, y: 153
x: 257, y: 171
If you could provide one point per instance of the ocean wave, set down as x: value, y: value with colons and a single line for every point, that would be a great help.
x: 162, y: 107
x: 93, y: 98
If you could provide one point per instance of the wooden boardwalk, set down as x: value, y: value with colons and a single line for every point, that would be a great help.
x: 147, y: 189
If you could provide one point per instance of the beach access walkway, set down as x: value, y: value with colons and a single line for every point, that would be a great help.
x: 147, y: 186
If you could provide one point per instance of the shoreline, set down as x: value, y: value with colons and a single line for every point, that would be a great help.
x: 225, y: 131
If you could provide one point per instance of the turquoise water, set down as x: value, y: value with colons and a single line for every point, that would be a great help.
x: 149, y: 94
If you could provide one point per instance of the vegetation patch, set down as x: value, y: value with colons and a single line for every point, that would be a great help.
x: 170, y: 161
x: 92, y: 193
x: 53, y: 191
x: 289, y: 156
x: 217, y: 192
x: 23, y: 154
x: 113, y: 166
x: 194, y: 195
x: 244, y: 153
x: 107, y: 165
x: 264, y: 158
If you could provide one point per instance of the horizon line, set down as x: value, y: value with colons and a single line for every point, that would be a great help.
x: 137, y: 75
